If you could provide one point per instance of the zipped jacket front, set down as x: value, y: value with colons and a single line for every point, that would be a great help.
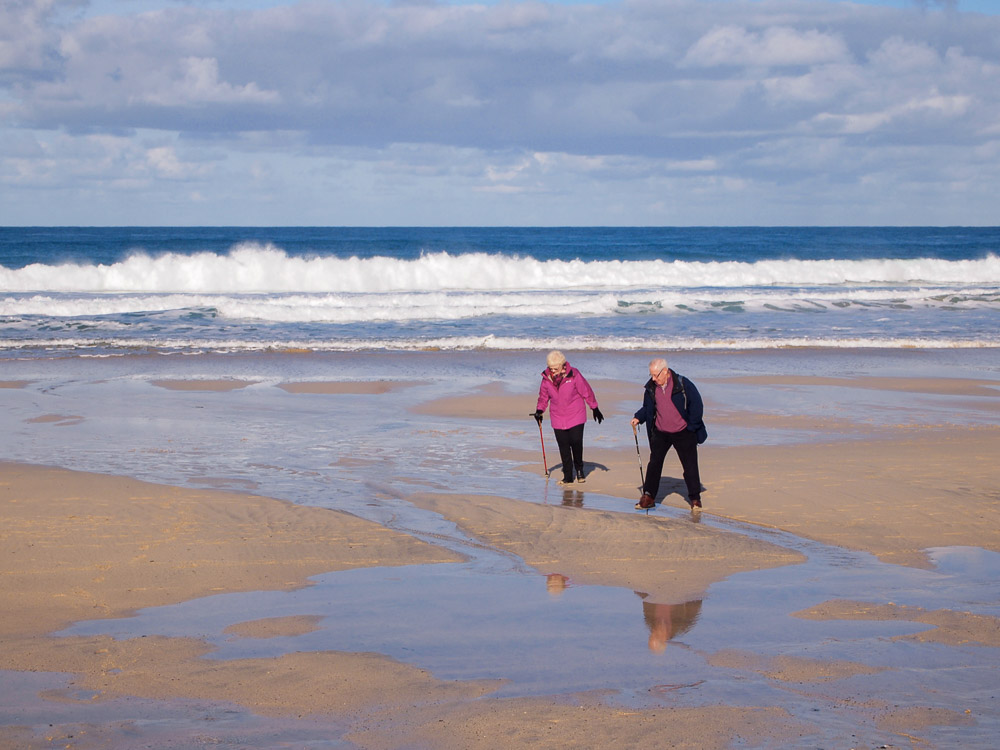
x: 568, y: 400
x: 687, y: 400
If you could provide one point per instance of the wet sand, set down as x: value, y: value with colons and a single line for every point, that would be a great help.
x: 13, y: 383
x: 331, y: 387
x: 78, y: 545
x: 202, y: 385
x: 90, y: 546
x: 894, y: 497
x: 670, y: 561
x: 87, y: 546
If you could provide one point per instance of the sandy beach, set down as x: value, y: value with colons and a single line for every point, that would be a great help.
x: 109, y: 545
x: 810, y: 487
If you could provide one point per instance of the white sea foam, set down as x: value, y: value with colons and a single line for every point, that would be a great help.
x: 108, y: 348
x: 234, y: 302
x: 429, y: 306
x: 253, y: 268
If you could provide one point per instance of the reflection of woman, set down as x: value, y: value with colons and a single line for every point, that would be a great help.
x: 556, y: 583
x: 568, y: 394
x: 667, y: 621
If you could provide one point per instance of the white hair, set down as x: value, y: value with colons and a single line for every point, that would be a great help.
x: 555, y: 359
x: 657, y: 364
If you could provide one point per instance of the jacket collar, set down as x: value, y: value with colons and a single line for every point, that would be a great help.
x: 674, y: 380
x: 568, y: 374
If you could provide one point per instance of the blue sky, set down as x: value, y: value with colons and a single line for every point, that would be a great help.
x: 645, y: 112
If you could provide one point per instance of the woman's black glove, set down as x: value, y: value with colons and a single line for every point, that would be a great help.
x: 538, y: 416
x: 598, y: 416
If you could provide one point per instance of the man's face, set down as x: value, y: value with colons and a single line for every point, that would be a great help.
x: 659, y: 376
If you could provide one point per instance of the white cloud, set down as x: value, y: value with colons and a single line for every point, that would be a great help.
x: 27, y: 39
x: 164, y: 160
x: 820, y: 84
x: 417, y: 103
x: 899, y: 56
x: 196, y: 81
x: 932, y: 107
x: 772, y: 47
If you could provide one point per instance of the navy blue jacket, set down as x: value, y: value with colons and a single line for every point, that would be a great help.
x: 687, y: 400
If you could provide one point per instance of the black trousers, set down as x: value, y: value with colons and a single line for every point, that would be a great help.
x: 685, y: 443
x: 570, y: 450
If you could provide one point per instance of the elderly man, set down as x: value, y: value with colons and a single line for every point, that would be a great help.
x: 672, y: 412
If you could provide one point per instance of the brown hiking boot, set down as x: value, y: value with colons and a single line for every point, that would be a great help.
x: 646, y: 502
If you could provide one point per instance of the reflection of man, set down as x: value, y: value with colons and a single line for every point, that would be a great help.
x: 667, y: 621
x: 672, y: 412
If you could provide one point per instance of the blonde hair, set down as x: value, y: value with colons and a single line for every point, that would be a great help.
x: 555, y: 359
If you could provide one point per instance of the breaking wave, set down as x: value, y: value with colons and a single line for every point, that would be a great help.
x: 264, y: 269
x: 257, y: 297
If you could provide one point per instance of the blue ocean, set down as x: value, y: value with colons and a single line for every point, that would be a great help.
x: 113, y: 291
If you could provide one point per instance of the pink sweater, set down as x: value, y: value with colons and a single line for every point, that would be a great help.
x: 569, y: 400
x: 668, y: 419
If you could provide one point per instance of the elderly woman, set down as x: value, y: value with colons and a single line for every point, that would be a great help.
x: 568, y: 394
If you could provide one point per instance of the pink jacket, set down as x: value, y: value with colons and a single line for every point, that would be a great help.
x: 569, y: 400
